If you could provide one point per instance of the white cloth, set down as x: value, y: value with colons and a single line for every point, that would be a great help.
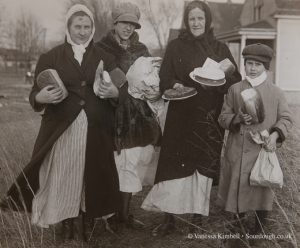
x: 136, y: 167
x: 79, y: 50
x: 258, y: 80
x: 189, y: 195
x: 61, y: 177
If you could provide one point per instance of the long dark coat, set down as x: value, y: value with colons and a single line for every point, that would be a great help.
x: 135, y: 123
x: 101, y: 178
x: 192, y: 138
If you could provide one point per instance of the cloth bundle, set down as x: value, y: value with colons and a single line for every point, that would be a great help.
x: 266, y: 170
x: 143, y: 82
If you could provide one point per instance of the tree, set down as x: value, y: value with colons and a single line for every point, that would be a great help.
x: 102, y: 14
x: 161, y: 15
x: 27, y: 37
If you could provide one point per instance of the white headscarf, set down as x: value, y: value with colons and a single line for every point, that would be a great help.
x: 79, y: 50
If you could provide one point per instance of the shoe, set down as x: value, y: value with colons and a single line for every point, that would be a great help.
x: 111, y: 224
x: 134, y: 223
x: 196, y: 224
x: 67, y: 229
x: 163, y: 230
x: 4, y: 204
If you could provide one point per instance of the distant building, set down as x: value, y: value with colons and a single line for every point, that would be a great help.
x: 13, y: 60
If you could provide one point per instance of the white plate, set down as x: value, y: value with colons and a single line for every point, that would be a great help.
x: 178, y: 98
x: 207, y: 84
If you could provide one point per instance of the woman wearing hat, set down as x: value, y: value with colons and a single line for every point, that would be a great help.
x: 133, y: 142
x: 235, y: 193
x: 188, y: 165
x: 72, y: 168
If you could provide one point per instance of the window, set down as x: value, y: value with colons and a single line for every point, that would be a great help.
x: 258, y: 4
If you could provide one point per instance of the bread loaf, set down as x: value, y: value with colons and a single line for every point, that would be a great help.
x: 253, y: 105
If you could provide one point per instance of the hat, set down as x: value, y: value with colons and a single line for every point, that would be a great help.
x: 259, y: 52
x: 127, y: 12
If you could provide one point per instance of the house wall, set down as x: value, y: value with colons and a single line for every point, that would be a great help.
x: 288, y: 53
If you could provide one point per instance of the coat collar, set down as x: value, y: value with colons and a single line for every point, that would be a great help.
x: 86, y: 57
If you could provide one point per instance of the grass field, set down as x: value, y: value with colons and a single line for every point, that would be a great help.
x: 18, y: 129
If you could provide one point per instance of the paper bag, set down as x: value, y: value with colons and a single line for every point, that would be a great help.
x: 266, y: 171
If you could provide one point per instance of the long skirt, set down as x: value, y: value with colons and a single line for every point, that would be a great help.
x: 61, y: 177
x: 180, y: 196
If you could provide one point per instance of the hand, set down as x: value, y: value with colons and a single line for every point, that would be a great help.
x: 270, y: 142
x: 177, y: 86
x: 107, y: 90
x: 242, y: 118
x: 49, y: 94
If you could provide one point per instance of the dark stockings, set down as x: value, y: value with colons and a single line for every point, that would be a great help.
x: 126, y: 199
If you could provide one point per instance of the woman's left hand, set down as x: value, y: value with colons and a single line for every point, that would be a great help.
x: 270, y: 143
x: 107, y: 90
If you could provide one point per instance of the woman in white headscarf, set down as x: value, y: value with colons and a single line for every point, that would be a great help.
x: 72, y: 169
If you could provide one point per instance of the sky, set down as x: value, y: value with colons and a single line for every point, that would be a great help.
x: 50, y: 15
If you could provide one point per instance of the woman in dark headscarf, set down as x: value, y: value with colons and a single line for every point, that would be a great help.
x: 189, y: 160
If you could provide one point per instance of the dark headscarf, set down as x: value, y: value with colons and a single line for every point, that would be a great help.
x: 201, y: 5
x: 206, y: 42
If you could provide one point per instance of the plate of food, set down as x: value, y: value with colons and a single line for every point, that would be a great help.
x: 179, y: 93
x: 208, y: 76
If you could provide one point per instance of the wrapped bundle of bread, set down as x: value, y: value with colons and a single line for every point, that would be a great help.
x: 51, y: 77
x: 227, y: 66
x: 253, y: 105
x: 208, y: 76
x: 101, y: 77
x: 143, y: 79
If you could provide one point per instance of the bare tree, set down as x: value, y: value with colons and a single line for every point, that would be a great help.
x: 161, y: 15
x: 102, y: 14
x: 27, y: 37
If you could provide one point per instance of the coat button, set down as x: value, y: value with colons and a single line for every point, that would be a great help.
x: 83, y: 83
x: 81, y: 102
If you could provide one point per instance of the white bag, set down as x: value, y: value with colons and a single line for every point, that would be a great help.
x: 266, y: 170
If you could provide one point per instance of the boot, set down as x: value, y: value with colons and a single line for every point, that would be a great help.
x: 197, y: 222
x: 166, y: 228
x: 260, y: 221
x: 67, y: 231
x: 125, y: 217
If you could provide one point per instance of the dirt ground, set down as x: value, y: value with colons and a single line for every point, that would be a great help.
x: 18, y: 129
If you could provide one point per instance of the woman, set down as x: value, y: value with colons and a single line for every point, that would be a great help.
x: 235, y: 193
x: 189, y: 159
x: 72, y: 167
x: 136, y: 128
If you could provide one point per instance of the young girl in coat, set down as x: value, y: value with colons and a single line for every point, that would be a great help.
x: 235, y: 193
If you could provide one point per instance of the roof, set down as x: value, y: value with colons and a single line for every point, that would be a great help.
x: 263, y: 24
x: 287, y: 7
x: 225, y: 15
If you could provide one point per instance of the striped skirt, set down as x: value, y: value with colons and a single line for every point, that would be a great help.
x: 61, y: 177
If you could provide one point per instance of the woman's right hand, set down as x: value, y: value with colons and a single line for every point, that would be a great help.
x: 49, y: 95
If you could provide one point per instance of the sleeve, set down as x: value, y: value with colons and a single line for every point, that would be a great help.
x: 167, y: 73
x: 284, y: 118
x: 43, y: 63
x: 118, y: 78
x: 227, y: 113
